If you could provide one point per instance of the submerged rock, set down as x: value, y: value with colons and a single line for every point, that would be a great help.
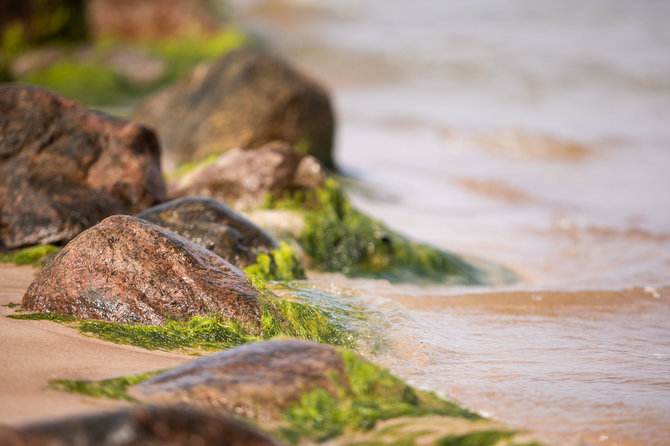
x: 214, y: 226
x: 243, y: 100
x: 64, y: 168
x: 146, y: 426
x: 256, y: 380
x: 243, y: 179
x: 130, y: 271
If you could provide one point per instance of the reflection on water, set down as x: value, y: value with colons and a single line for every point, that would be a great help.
x: 531, y: 133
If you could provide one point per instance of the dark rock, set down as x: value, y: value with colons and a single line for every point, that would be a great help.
x: 243, y: 100
x: 64, y: 168
x: 242, y: 179
x: 130, y: 271
x: 214, y: 226
x: 150, y: 19
x: 146, y: 426
x: 255, y: 380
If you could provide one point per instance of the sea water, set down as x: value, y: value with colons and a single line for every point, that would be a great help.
x: 531, y: 133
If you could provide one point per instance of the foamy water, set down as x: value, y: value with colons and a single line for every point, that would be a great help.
x: 531, y: 133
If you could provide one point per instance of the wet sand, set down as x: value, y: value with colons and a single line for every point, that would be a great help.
x: 35, y: 352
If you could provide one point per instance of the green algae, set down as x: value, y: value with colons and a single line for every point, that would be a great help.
x: 479, y: 438
x: 339, y: 238
x: 53, y: 317
x: 372, y: 394
x: 32, y: 255
x: 115, y: 388
x: 93, y: 81
x: 282, y: 264
x: 199, y: 332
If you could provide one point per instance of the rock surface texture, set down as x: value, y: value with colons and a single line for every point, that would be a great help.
x: 213, y: 226
x: 243, y: 179
x: 243, y: 100
x: 129, y: 271
x: 148, y: 426
x: 255, y: 380
x: 64, y: 168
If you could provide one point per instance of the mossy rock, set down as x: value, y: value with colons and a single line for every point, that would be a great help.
x: 339, y: 238
x: 32, y: 255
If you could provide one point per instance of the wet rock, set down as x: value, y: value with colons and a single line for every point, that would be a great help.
x: 64, y: 168
x: 243, y: 100
x: 255, y: 380
x: 150, y: 19
x: 130, y: 271
x: 147, y: 426
x: 214, y: 226
x: 243, y: 179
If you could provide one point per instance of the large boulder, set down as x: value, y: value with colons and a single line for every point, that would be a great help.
x: 243, y: 100
x: 130, y: 271
x: 243, y: 179
x: 64, y: 168
x: 146, y: 426
x: 255, y: 380
x: 214, y: 226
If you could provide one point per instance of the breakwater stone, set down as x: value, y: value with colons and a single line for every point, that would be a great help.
x: 212, y: 225
x: 244, y: 99
x: 147, y: 426
x: 130, y: 271
x: 64, y: 168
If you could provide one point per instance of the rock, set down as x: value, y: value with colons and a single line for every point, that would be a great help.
x: 150, y: 19
x: 243, y: 179
x: 146, y: 426
x: 214, y: 226
x: 255, y: 380
x: 64, y: 168
x: 243, y: 100
x: 130, y: 271
x: 136, y: 68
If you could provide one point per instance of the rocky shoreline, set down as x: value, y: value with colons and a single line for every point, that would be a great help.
x: 194, y: 275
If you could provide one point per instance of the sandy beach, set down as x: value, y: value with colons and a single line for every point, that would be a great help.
x: 35, y: 352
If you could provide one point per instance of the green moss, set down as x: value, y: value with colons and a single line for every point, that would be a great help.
x: 339, y: 238
x: 480, y: 438
x: 31, y: 255
x: 283, y: 317
x: 94, y: 81
x: 109, y: 388
x: 10, y: 305
x: 54, y: 317
x: 282, y: 264
x: 372, y: 394
x: 198, y: 332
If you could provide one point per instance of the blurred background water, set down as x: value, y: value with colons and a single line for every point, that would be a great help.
x: 531, y: 133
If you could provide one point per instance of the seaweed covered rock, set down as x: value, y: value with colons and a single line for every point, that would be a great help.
x: 307, y: 390
x: 243, y: 100
x: 213, y: 226
x: 146, y: 426
x: 64, y: 168
x: 130, y: 271
x: 255, y: 379
x: 244, y: 179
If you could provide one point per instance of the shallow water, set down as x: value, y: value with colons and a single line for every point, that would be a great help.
x: 530, y: 133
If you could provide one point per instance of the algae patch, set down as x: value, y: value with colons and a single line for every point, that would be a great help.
x: 114, y: 388
x: 282, y: 264
x: 32, y: 255
x: 372, y: 394
x: 339, y: 238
